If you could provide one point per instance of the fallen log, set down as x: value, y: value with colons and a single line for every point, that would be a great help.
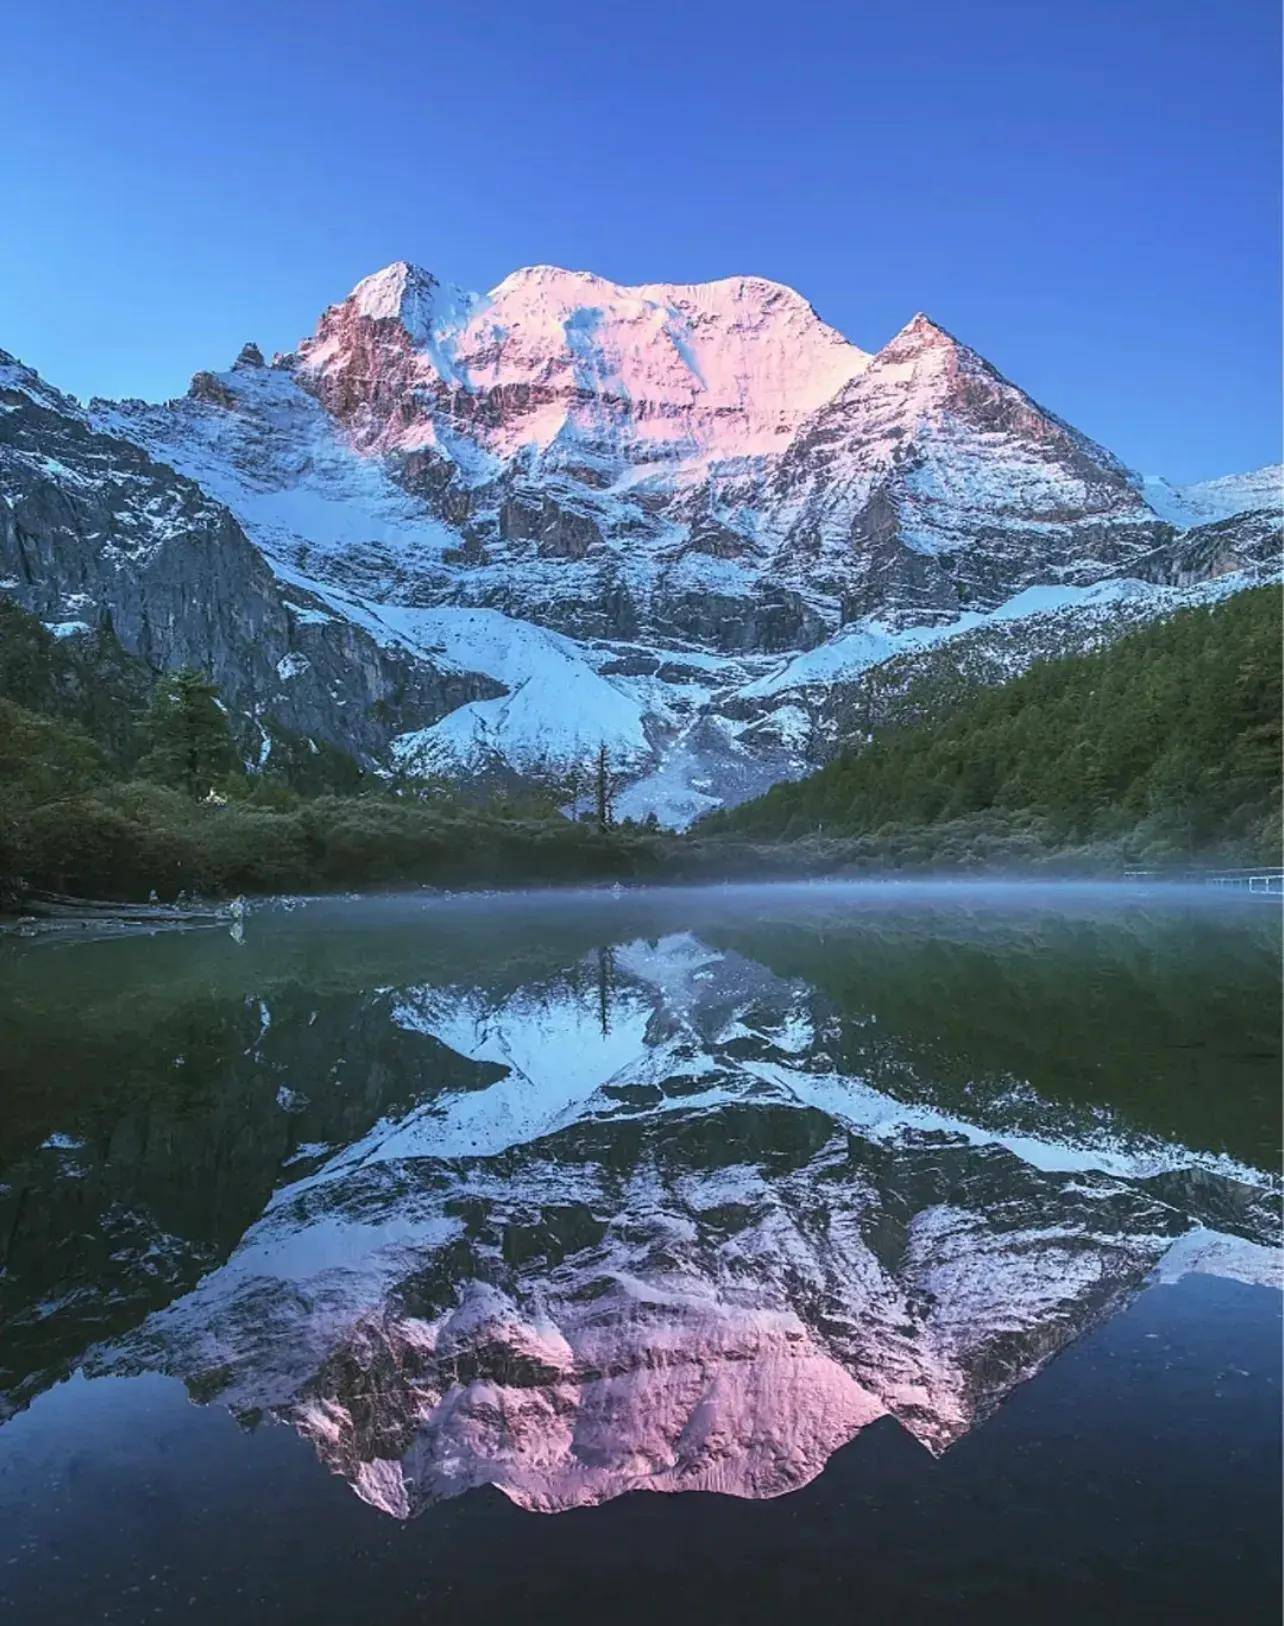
x: 49, y: 909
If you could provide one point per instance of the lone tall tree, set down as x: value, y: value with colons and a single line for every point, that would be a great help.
x: 190, y: 743
x: 604, y: 788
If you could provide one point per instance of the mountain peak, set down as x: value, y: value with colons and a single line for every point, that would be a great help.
x: 19, y: 379
x: 922, y: 333
x: 400, y: 292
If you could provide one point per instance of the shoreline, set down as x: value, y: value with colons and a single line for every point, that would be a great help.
x: 64, y: 916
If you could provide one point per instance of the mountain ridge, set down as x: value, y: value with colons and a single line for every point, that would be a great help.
x: 649, y: 498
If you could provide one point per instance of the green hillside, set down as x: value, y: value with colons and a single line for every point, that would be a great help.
x: 116, y: 781
x: 1167, y: 742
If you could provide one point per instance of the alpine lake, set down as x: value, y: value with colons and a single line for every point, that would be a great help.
x: 872, y: 1252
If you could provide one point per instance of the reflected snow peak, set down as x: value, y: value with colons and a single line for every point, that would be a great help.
x: 660, y: 1196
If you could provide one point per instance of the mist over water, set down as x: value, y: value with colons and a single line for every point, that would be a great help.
x: 575, y: 1195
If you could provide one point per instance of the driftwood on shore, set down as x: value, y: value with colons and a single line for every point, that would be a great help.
x: 39, y: 912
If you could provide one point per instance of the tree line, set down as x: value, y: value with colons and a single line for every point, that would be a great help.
x: 1163, y: 748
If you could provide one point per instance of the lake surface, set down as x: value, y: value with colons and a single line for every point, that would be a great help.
x: 889, y: 1253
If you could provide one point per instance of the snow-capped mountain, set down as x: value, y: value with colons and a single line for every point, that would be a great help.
x: 630, y: 516
x: 710, y: 464
x: 929, y: 485
x: 606, y: 383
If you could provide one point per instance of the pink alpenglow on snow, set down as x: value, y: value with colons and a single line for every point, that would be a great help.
x: 674, y: 374
x: 677, y: 521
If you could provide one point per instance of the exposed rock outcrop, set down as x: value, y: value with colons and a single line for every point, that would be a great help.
x: 92, y: 529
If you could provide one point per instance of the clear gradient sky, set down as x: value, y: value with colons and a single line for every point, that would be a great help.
x: 1086, y: 192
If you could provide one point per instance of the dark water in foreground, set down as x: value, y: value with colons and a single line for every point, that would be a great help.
x: 917, y: 1243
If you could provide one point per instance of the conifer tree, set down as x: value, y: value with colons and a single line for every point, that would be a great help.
x: 189, y: 742
x: 604, y: 788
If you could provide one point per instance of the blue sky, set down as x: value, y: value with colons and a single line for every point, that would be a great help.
x: 1088, y: 194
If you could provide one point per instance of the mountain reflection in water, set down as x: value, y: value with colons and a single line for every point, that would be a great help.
x: 585, y: 1195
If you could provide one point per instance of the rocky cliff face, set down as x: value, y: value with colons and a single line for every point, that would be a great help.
x: 92, y: 529
x: 653, y: 500
x: 1238, y: 546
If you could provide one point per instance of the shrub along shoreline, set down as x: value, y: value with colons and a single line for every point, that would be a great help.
x: 126, y: 841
